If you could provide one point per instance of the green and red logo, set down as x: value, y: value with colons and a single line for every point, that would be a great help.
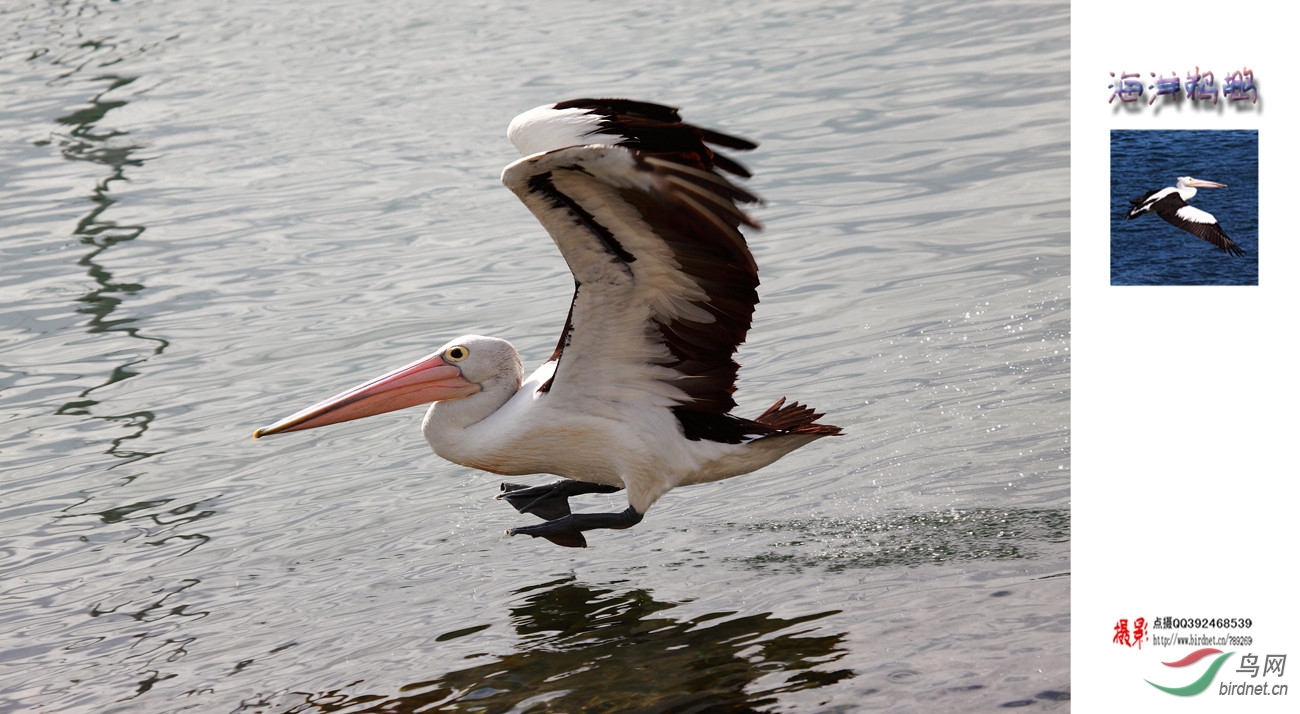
x: 1203, y: 682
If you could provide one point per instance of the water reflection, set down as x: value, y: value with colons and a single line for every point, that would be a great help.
x: 598, y: 649
x: 84, y: 141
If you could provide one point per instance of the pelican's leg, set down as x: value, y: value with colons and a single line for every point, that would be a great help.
x: 567, y: 531
x: 550, y: 501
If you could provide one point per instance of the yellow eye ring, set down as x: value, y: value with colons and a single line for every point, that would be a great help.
x: 455, y: 354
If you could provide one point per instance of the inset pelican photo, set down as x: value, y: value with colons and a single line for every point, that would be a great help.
x: 1184, y: 207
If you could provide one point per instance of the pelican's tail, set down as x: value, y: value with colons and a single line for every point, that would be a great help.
x: 795, y: 419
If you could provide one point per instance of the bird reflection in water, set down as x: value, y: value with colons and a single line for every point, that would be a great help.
x: 595, y: 649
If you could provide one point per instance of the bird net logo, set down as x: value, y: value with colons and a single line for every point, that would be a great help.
x: 1198, y: 660
x: 1207, y: 662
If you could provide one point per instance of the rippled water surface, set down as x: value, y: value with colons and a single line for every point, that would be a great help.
x: 213, y: 214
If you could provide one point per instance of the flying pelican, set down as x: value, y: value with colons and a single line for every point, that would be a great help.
x: 1170, y: 203
x: 637, y: 393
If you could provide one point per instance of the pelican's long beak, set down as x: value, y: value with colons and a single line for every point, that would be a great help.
x: 1198, y: 183
x: 428, y: 380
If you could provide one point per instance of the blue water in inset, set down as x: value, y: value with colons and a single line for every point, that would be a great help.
x: 1149, y: 251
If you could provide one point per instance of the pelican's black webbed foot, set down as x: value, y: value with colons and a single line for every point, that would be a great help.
x: 550, y: 501
x: 567, y: 531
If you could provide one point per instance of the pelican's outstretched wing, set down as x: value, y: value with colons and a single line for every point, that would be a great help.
x: 1168, y: 203
x: 1195, y: 221
x: 665, y: 285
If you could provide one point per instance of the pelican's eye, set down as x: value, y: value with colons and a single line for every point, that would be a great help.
x: 455, y: 354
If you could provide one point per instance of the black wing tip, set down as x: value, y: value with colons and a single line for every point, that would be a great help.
x: 610, y: 106
x: 1217, y: 238
x: 1211, y: 233
x: 658, y: 129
